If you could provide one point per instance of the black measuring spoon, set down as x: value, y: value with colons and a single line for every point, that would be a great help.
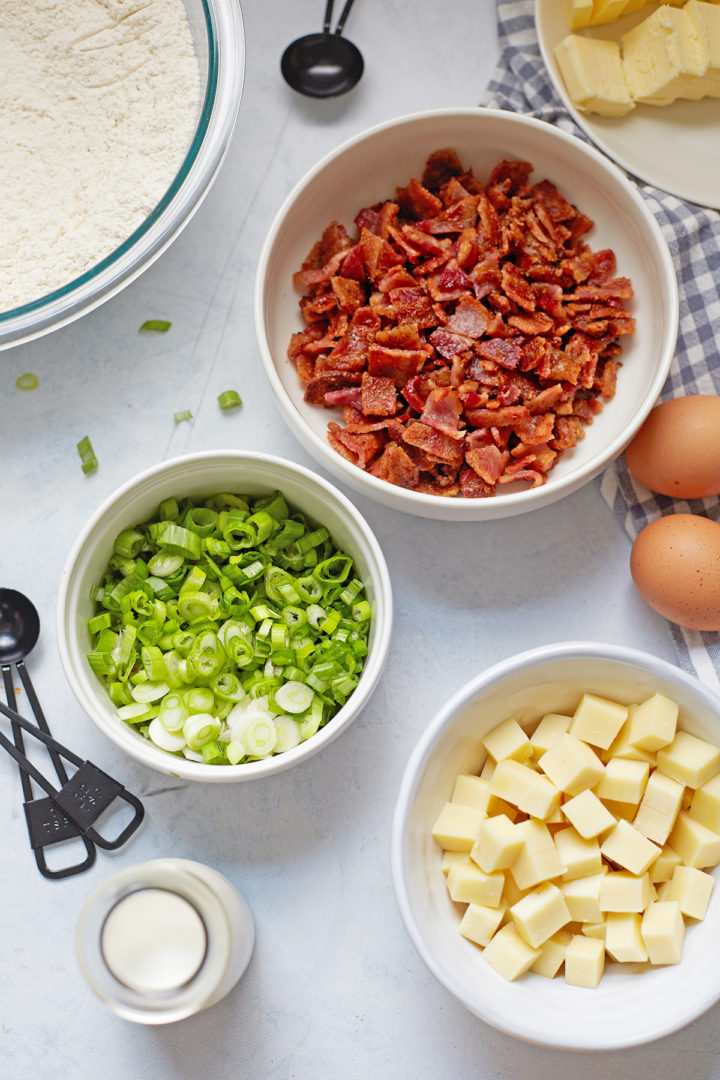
x: 326, y: 64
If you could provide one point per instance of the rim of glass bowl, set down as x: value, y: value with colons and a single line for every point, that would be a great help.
x: 224, y: 81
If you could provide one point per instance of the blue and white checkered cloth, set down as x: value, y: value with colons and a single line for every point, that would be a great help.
x: 521, y: 83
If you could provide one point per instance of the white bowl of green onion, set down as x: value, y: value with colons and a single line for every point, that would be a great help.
x: 224, y: 615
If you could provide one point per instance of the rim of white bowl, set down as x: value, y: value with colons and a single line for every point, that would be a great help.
x: 185, y: 194
x: 456, y: 508
x: 72, y: 657
x: 410, y: 783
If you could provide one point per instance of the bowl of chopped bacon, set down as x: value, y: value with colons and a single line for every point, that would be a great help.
x: 465, y: 314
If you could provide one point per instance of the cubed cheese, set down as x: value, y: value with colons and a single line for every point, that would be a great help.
x: 538, y: 859
x: 584, y: 961
x: 471, y: 885
x: 627, y: 847
x: 692, y: 889
x: 623, y: 939
x: 480, y: 922
x: 653, y: 723
x: 454, y: 858
x: 470, y: 790
x: 540, y: 914
x: 582, y: 896
x: 663, y: 932
x: 508, y: 740
x: 550, y: 727
x: 552, y: 955
x: 664, y: 866
x: 624, y: 780
x: 524, y: 788
x: 660, y: 807
x: 595, y: 930
x: 571, y: 765
x: 695, y: 844
x: 587, y: 815
x: 498, y: 844
x: 705, y: 805
x: 689, y: 760
x: 580, y: 857
x: 623, y: 891
x: 597, y: 720
x: 623, y: 748
x: 508, y: 954
x: 457, y: 827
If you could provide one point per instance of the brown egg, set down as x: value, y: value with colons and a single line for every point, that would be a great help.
x: 677, y: 450
x: 675, y: 564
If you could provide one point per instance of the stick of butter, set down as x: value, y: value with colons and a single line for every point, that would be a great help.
x: 663, y: 56
x: 705, y: 19
x: 593, y: 74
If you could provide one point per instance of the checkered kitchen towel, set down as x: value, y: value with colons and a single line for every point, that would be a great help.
x: 521, y: 83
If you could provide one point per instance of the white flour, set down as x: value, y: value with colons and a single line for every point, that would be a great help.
x: 98, y: 105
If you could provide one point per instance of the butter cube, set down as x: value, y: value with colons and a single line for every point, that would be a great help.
x: 578, y: 13
x: 692, y: 889
x: 550, y: 727
x: 622, y: 891
x: 607, y: 11
x: 584, y: 961
x: 498, y: 844
x: 587, y: 815
x: 664, y: 866
x: 663, y: 932
x: 524, y: 788
x: 539, y: 859
x: 706, y: 21
x: 653, y: 723
x: 689, y: 760
x: 663, y: 55
x: 508, y: 740
x: 696, y: 845
x: 571, y: 765
x: 471, y: 885
x: 597, y: 721
x: 582, y: 896
x: 508, y: 954
x: 457, y: 827
x: 453, y: 858
x: 623, y: 939
x: 624, y: 780
x: 552, y: 955
x: 470, y: 790
x: 580, y: 857
x: 660, y: 807
x: 705, y: 805
x: 480, y: 922
x: 627, y: 847
x: 540, y: 914
x: 593, y: 75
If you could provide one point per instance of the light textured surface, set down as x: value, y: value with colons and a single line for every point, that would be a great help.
x: 335, y: 986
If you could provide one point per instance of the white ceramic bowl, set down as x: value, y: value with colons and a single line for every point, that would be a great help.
x: 627, y: 1008
x: 367, y: 169
x: 217, y: 31
x: 207, y: 474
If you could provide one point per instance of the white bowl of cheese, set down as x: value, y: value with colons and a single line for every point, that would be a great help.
x: 565, y: 1003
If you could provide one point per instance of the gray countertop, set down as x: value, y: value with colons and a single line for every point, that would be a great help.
x: 334, y: 986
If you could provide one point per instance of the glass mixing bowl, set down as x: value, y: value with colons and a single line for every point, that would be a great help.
x: 217, y: 30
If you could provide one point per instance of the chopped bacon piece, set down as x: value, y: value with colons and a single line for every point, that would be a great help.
x: 379, y: 396
x: 396, y: 364
x: 418, y: 200
x: 413, y: 306
x: 350, y: 293
x: 488, y: 462
x: 396, y: 467
x: 505, y: 353
x: 435, y: 443
x: 348, y: 395
x: 449, y: 345
x: 470, y: 317
x: 321, y: 385
x: 359, y: 449
x: 498, y: 418
x: 439, y: 168
x: 460, y: 215
x: 443, y: 410
x: 473, y: 487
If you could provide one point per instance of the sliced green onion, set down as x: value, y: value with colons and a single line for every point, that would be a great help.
x: 200, y: 728
x: 159, y: 326
x: 166, y: 740
x: 184, y: 414
x: 87, y: 455
x: 28, y: 381
x: 288, y: 733
x: 294, y: 697
x: 229, y: 399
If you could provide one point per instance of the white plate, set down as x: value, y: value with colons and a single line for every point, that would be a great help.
x: 674, y: 147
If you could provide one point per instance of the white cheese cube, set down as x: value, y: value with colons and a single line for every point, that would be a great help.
x: 550, y: 727
x: 524, y: 788
x: 470, y: 790
x: 538, y: 859
x: 511, y: 892
x: 595, y: 930
x: 571, y: 765
x: 621, y: 811
x: 597, y: 720
x: 660, y: 807
x: 623, y: 939
x: 540, y: 914
x: 692, y: 889
x: 479, y: 922
x: 457, y: 827
x: 508, y: 954
x: 584, y: 961
x: 498, y: 844
x: 664, y: 866
x: 587, y: 815
x: 623, y: 891
x: 705, y: 805
x: 627, y: 847
x: 454, y: 858
x: 623, y: 748
x: 653, y: 723
x: 624, y: 780
x: 582, y: 896
x: 488, y: 769
x: 663, y: 932
x: 689, y: 760
x: 471, y: 885
x: 508, y: 740
x: 580, y: 857
x: 552, y: 955
x: 695, y: 844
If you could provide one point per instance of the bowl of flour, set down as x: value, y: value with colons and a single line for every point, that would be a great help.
x: 115, y: 116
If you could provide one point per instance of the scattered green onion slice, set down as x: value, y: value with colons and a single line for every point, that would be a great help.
x: 229, y: 399
x: 88, y: 460
x: 184, y: 415
x: 28, y: 381
x: 159, y: 326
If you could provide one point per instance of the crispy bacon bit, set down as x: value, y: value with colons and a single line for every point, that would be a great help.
x: 468, y: 333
